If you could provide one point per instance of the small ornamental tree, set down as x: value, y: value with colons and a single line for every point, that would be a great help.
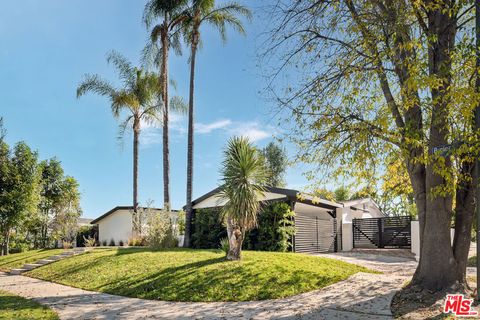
x: 243, y: 174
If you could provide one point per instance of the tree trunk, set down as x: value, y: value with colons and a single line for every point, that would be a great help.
x: 465, y: 207
x: 166, y: 146
x: 235, y: 241
x: 6, y: 243
x: 438, y: 269
x: 188, y: 211
x: 136, y: 133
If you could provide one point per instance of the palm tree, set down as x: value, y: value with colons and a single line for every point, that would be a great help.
x: 164, y: 35
x: 243, y: 174
x: 204, y: 12
x: 138, y: 99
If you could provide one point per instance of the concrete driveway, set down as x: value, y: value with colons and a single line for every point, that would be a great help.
x: 362, y: 296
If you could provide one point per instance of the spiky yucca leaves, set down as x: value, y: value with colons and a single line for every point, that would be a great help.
x: 138, y: 98
x: 204, y: 12
x: 243, y: 175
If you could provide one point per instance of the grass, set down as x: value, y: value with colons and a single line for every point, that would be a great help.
x: 14, y: 307
x: 17, y: 260
x: 196, y: 275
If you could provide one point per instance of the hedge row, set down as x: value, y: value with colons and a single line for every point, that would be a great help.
x: 274, y: 232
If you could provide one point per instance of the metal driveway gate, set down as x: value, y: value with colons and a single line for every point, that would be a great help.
x: 387, y: 232
x: 315, y: 235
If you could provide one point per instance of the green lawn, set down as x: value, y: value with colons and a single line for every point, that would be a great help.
x: 196, y: 275
x: 16, y: 260
x: 14, y: 307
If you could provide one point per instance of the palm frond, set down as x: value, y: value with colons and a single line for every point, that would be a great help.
x: 243, y: 175
x: 124, y: 99
x: 95, y: 84
x: 123, y: 127
x: 124, y: 68
x: 178, y: 105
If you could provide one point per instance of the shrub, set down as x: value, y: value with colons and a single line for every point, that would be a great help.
x: 224, y: 245
x: 89, y: 242
x: 67, y: 245
x: 181, y: 222
x: 208, y: 229
x: 86, y: 232
x: 275, y: 229
x: 111, y: 243
x: 104, y: 243
x: 160, y: 232
x: 120, y: 243
x: 137, y: 242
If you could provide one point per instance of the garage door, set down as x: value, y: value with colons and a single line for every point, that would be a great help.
x: 314, y: 234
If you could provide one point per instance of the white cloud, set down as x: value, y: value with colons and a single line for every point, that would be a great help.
x: 251, y: 130
x: 207, y: 128
x: 254, y: 130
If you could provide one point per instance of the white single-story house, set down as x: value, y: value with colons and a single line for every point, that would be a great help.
x: 321, y: 225
x: 117, y: 224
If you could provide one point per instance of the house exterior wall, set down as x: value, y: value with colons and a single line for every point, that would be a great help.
x: 116, y: 226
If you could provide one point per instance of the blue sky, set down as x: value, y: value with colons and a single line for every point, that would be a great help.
x: 45, y: 49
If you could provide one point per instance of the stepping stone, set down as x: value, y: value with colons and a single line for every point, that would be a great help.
x: 45, y: 261
x: 17, y: 271
x: 30, y: 266
x: 67, y: 253
x: 55, y: 258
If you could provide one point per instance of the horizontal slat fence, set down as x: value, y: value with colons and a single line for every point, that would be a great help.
x: 314, y: 235
x: 386, y: 232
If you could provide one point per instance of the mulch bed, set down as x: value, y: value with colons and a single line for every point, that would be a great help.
x: 413, y: 302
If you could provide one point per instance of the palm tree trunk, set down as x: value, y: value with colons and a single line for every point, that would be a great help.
x: 136, y: 133
x: 188, y: 207
x: 166, y: 147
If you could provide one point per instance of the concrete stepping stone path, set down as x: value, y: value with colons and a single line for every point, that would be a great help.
x: 42, y: 262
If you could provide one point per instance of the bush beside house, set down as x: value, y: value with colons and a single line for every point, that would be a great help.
x: 274, y: 232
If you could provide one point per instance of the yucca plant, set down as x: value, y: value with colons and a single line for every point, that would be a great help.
x: 243, y: 175
x: 204, y: 12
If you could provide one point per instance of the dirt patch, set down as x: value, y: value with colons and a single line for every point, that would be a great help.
x: 413, y: 302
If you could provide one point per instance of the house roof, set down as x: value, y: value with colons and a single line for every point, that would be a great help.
x: 106, y: 214
x: 290, y: 194
x: 84, y: 220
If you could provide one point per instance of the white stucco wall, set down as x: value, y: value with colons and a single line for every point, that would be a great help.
x: 116, y: 226
x: 347, y: 231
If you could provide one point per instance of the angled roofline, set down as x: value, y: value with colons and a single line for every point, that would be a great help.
x: 290, y: 194
x: 106, y: 214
